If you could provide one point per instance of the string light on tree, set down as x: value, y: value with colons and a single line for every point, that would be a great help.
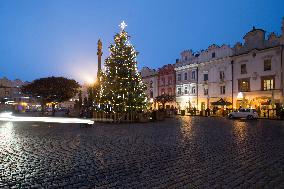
x: 122, y: 89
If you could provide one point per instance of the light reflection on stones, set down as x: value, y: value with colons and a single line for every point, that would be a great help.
x: 189, y: 152
x: 186, y: 128
x: 240, y: 129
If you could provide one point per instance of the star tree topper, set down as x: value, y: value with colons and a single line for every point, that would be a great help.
x: 122, y: 25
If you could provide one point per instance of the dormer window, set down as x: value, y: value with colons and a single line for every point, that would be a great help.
x: 213, y: 55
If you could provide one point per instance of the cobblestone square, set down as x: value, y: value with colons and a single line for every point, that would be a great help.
x: 187, y: 152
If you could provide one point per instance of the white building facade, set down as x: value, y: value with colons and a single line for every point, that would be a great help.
x: 214, y: 76
x: 247, y: 75
x: 258, y: 70
x: 186, y: 80
x: 11, y: 96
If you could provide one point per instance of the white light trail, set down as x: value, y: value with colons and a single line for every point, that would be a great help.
x: 7, y: 116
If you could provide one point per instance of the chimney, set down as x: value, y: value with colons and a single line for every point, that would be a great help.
x: 177, y: 60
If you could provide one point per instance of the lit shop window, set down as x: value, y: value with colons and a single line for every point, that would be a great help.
x: 268, y: 83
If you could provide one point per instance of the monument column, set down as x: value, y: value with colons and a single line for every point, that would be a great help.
x: 99, y: 53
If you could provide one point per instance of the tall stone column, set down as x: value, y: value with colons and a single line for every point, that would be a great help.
x: 99, y: 53
x: 282, y: 27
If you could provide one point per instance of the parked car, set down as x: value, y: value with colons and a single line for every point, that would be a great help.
x: 244, y: 113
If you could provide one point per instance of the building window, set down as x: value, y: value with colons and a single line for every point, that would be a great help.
x: 179, y: 77
x: 163, y: 81
x: 268, y: 83
x: 151, y: 94
x: 244, y: 85
x: 205, y: 91
x: 222, y: 89
x: 267, y: 64
x: 185, y: 90
x: 169, y: 80
x: 222, y: 75
x: 185, y: 76
x: 193, y: 75
x: 205, y: 77
x: 193, y: 90
x: 151, y: 84
x: 243, y: 68
x: 179, y: 91
x: 213, y: 55
x: 169, y: 91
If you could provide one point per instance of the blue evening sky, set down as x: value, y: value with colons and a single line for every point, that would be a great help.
x: 59, y: 37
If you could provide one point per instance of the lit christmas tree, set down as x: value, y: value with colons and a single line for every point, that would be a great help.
x: 122, y: 89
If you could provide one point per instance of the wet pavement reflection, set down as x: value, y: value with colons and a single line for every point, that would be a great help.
x: 186, y: 152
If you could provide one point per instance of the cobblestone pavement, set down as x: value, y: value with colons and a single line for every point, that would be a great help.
x: 187, y: 152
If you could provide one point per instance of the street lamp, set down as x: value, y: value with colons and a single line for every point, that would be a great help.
x: 90, y: 81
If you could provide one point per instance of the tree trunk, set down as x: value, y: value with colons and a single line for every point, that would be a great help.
x: 42, y: 107
x: 53, y: 109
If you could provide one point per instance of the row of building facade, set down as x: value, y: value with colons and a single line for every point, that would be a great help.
x: 245, y: 75
x: 10, y: 89
x: 11, y: 97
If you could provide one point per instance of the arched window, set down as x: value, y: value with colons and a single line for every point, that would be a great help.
x: 193, y: 90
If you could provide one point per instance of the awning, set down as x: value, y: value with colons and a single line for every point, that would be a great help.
x: 265, y: 103
x: 221, y: 102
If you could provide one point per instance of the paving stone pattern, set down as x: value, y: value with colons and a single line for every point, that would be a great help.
x: 187, y: 152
